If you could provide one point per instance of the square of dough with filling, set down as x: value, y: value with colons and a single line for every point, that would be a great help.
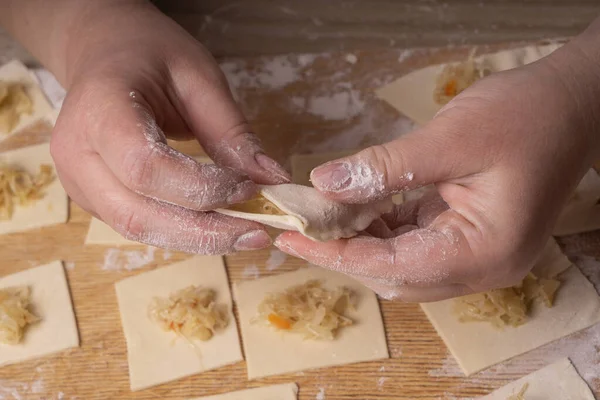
x: 556, y: 381
x: 479, y: 345
x: 413, y: 94
x: 50, y: 300
x: 15, y: 72
x: 270, y: 352
x: 156, y: 356
x: 52, y: 209
x: 284, y: 391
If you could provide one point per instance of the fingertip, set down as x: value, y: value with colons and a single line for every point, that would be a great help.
x: 288, y: 243
x: 273, y: 168
x: 253, y: 240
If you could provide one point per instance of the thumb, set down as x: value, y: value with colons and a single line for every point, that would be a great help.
x: 414, y: 160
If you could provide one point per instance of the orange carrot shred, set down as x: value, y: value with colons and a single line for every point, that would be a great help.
x: 278, y: 322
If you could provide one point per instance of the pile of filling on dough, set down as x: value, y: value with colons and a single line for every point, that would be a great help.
x: 308, y: 309
x: 18, y: 187
x: 14, y: 102
x: 190, y: 312
x: 14, y: 314
x: 257, y: 205
x: 455, y: 78
x: 507, y: 307
x: 521, y: 394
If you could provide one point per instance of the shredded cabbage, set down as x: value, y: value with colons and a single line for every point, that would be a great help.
x: 190, y: 312
x: 14, y: 102
x: 14, y: 314
x: 257, y: 205
x: 18, y: 187
x: 509, y: 306
x: 455, y: 78
x: 308, y: 309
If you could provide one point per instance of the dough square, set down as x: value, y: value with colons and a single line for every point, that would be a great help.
x: 284, y: 391
x: 15, y: 71
x: 51, y: 301
x: 101, y: 234
x: 556, y: 381
x: 478, y: 345
x: 412, y: 94
x: 270, y: 352
x: 156, y: 356
x: 52, y: 209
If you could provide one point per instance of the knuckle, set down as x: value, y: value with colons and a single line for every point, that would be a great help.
x: 128, y: 223
x: 140, y: 166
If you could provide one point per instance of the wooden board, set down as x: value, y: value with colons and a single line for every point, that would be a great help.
x: 420, y: 367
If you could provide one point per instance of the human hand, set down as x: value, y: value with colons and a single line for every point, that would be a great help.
x: 504, y: 156
x: 133, y: 75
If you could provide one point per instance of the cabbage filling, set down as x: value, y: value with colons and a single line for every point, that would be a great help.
x: 14, y: 314
x: 190, y: 312
x: 14, y: 103
x: 308, y: 309
x: 455, y: 78
x: 509, y: 306
x: 20, y: 188
x: 257, y: 205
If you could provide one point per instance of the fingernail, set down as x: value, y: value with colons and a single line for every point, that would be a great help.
x: 253, y: 240
x: 331, y: 177
x: 241, y: 192
x: 273, y: 167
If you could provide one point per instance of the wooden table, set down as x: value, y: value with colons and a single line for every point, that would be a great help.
x: 307, y: 103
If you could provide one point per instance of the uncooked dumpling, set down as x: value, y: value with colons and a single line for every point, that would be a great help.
x: 304, y: 209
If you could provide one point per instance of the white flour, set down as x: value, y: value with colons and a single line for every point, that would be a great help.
x: 251, y: 272
x: 70, y: 265
x: 129, y: 260
x: 275, y: 260
x: 321, y: 394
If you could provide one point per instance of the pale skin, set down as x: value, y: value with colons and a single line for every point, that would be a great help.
x: 504, y: 155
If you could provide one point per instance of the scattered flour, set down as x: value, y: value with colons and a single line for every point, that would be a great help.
x: 272, y: 73
x: 404, y: 55
x: 251, y: 271
x: 381, y: 382
x: 118, y: 260
x: 167, y: 254
x: 342, y: 105
x: 321, y: 394
x: 351, y: 58
x: 275, y: 260
x: 70, y: 265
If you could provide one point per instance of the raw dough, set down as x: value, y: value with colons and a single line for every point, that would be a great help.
x: 271, y: 352
x: 477, y: 346
x: 412, y: 94
x: 312, y: 214
x: 284, y: 391
x: 100, y: 233
x: 303, y: 164
x: 52, y: 209
x: 156, y: 356
x: 582, y: 211
x: 51, y: 301
x: 557, y: 381
x: 15, y: 71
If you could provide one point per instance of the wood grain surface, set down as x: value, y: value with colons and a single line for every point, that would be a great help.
x: 419, y: 368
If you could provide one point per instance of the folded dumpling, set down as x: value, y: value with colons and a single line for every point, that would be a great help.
x: 304, y: 209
